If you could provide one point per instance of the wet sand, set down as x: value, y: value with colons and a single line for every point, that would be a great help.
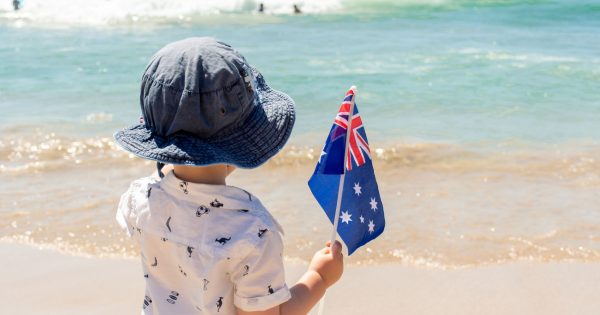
x: 36, y: 281
x: 445, y: 206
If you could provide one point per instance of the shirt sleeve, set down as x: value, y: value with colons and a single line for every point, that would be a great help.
x: 259, y: 278
x: 124, y: 211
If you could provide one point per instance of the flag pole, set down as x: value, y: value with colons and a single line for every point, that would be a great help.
x: 341, y: 185
x: 342, y: 178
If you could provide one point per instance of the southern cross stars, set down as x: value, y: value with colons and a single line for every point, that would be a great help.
x: 357, y: 189
x: 371, y: 226
x: 362, y: 219
x: 345, y: 217
x: 373, y: 204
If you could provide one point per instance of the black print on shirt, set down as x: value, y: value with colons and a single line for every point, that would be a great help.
x: 215, y: 203
x: 164, y: 239
x: 183, y: 185
x: 249, y: 195
x: 219, y: 303
x: 206, y: 282
x: 182, y: 272
x: 223, y: 240
x: 139, y: 230
x: 148, y: 194
x: 202, y: 210
x: 262, y: 232
x: 147, y: 302
x: 271, y: 290
x: 246, y: 269
x: 155, y: 263
x: 189, y: 250
x: 173, y: 297
x: 168, y: 224
x: 146, y: 276
x: 243, y: 210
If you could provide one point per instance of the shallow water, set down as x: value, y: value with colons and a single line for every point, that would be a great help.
x: 483, y: 116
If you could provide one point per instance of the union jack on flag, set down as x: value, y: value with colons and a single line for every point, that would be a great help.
x: 361, y: 212
x: 359, y: 147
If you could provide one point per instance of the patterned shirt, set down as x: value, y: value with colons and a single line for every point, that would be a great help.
x: 204, y: 248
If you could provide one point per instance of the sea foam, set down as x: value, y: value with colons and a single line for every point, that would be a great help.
x: 99, y: 12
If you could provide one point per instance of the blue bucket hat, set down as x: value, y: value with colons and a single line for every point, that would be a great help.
x: 203, y: 104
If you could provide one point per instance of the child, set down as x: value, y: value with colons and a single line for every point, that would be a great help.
x: 209, y: 248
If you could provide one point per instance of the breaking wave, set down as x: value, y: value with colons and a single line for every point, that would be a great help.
x: 48, y: 152
x: 101, y: 12
x: 107, y: 12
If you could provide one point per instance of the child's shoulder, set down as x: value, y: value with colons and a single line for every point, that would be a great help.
x: 249, y: 231
x: 227, y: 219
x: 139, y: 189
x: 240, y: 225
x: 142, y: 184
x: 133, y: 200
x: 251, y: 216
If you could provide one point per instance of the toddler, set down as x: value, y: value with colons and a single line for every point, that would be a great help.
x: 206, y: 247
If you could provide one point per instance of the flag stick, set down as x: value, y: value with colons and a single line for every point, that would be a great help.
x: 342, y: 178
x: 341, y: 186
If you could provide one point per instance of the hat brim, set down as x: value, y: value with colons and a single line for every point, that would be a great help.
x: 248, y: 144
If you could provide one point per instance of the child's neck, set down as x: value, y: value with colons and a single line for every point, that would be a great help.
x: 212, y: 174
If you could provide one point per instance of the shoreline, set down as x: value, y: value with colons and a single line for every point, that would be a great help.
x: 39, y: 281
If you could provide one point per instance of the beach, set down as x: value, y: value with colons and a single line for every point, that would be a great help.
x: 36, y: 281
x: 482, y: 122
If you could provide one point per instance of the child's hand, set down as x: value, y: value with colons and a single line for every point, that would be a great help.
x: 329, y: 263
x: 324, y: 270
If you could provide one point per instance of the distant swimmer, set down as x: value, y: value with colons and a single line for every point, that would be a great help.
x: 297, y: 9
x: 16, y: 4
x: 261, y: 8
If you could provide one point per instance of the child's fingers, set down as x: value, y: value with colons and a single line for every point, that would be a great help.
x: 336, y: 249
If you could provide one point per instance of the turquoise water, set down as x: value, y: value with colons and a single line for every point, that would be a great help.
x: 484, y: 117
x: 458, y: 72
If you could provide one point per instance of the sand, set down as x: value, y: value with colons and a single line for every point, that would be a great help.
x: 36, y: 281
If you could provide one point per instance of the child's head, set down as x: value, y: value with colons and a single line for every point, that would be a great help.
x: 203, y: 104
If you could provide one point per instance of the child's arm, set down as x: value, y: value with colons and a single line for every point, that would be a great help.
x: 324, y: 270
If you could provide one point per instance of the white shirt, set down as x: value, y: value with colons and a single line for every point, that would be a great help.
x: 204, y: 248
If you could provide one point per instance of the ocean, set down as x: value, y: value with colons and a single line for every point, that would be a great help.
x: 483, y: 119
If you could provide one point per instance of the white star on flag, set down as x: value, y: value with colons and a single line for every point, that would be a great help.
x: 371, y: 226
x: 373, y: 204
x: 345, y: 217
x: 357, y: 189
x: 362, y: 220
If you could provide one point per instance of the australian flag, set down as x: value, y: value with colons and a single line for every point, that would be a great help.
x: 361, y: 214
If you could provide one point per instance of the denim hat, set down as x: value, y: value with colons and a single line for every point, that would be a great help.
x: 203, y: 104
